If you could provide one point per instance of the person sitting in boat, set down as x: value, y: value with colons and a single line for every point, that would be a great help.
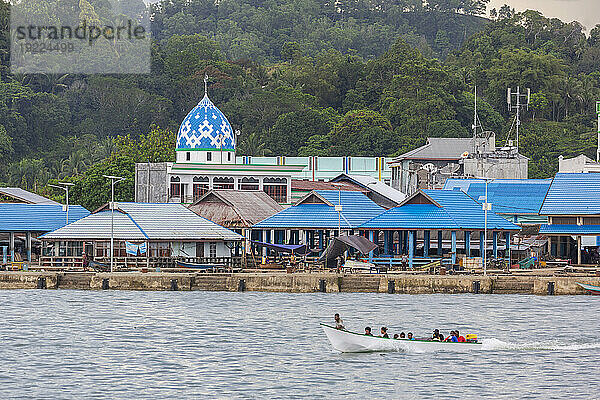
x: 339, y: 323
x: 459, y: 339
x: 452, y: 337
x: 437, y: 336
x: 402, y: 335
x: 368, y: 331
x: 410, y: 336
x: 384, y: 332
x: 396, y: 336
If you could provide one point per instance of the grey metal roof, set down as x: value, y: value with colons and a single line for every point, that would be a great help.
x: 439, y: 149
x: 374, y: 185
x: 25, y: 196
x: 144, y: 221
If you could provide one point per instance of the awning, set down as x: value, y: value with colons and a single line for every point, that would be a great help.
x: 339, y: 244
x: 299, y: 249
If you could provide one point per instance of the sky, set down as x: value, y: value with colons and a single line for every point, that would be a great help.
x: 585, y: 11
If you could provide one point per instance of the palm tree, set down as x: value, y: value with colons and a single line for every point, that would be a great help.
x: 74, y: 165
x: 104, y: 149
x: 253, y: 145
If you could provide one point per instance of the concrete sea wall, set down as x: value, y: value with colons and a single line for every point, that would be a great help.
x: 299, y: 282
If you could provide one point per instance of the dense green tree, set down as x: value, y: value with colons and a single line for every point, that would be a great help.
x: 292, y: 130
x: 363, y: 133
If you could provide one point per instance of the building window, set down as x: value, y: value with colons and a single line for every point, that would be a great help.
x: 212, y: 250
x: 70, y: 249
x: 200, y: 187
x: 208, y: 156
x: 591, y: 220
x: 160, y: 249
x: 188, y: 156
x: 223, y: 183
x: 228, y: 156
x: 249, y: 183
x: 103, y: 249
x: 564, y: 220
x: 276, y: 188
x: 175, y: 186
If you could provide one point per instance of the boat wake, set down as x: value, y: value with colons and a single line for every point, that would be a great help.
x: 495, y: 344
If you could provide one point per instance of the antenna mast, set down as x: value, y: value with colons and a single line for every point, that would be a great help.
x: 516, y: 105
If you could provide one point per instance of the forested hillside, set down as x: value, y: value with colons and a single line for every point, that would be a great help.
x: 304, y: 78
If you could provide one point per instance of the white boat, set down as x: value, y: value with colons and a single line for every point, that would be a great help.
x: 351, y: 342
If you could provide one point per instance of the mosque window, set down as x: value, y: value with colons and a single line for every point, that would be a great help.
x: 188, y: 156
x: 208, y: 156
x: 223, y: 183
x: 249, y: 183
x: 276, y: 188
x: 275, y: 181
x: 175, y: 186
x: 200, y: 186
x: 228, y: 156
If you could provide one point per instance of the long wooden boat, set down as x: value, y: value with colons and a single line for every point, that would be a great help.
x: 351, y: 342
x: 182, y: 264
x: 590, y: 288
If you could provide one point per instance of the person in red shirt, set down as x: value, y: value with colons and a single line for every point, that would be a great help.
x: 461, y: 339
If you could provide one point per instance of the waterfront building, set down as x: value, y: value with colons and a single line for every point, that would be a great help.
x: 517, y: 200
x: 452, y: 215
x: 158, y: 233
x: 572, y: 207
x: 320, y: 215
x: 21, y: 224
x: 442, y: 211
x: 428, y: 166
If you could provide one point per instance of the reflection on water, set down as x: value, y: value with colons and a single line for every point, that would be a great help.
x: 110, y: 344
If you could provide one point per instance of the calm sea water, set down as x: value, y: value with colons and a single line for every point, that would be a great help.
x: 174, y: 345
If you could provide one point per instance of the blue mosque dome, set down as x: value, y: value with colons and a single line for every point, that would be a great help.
x: 205, y: 128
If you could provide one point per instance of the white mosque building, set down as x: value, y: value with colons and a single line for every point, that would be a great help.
x: 206, y: 160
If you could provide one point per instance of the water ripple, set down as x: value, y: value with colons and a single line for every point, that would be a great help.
x: 172, y: 345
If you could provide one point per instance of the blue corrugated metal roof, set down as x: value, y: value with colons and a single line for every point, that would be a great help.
x: 357, y: 209
x: 37, y: 217
x: 573, y: 194
x: 458, y: 211
x: 555, y: 229
x: 508, y: 196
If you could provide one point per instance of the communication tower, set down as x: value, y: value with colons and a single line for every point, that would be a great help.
x: 515, y: 101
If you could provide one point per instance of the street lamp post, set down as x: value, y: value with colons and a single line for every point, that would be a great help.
x: 339, y: 207
x: 64, y: 186
x: 113, y: 180
x: 486, y: 207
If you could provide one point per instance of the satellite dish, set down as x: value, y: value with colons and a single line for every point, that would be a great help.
x: 430, y: 167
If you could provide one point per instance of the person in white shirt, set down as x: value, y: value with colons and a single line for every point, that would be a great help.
x: 339, y: 324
